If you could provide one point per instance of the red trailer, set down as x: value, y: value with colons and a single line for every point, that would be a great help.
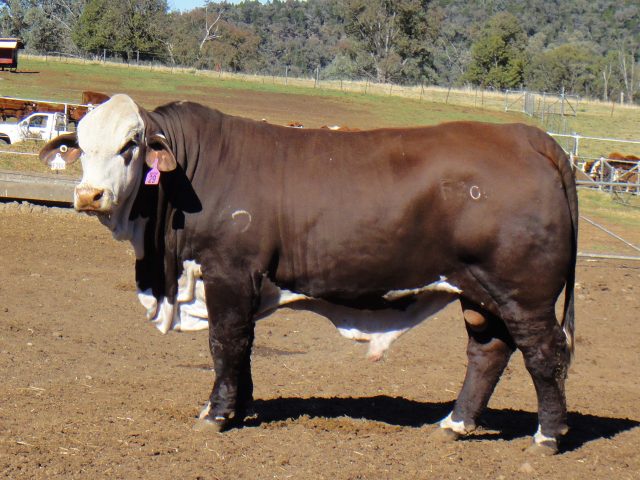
x: 9, y: 52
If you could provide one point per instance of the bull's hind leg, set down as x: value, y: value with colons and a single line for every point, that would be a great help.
x: 488, y: 351
x: 546, y: 357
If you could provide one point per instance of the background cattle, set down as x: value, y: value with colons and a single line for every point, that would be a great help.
x: 340, y: 128
x: 94, y: 98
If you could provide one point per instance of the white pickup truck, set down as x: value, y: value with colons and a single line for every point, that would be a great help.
x: 37, y: 126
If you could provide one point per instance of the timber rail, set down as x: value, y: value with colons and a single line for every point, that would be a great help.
x: 34, y: 187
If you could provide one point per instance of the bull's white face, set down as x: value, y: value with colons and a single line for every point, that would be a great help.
x: 109, y: 138
x: 112, y: 145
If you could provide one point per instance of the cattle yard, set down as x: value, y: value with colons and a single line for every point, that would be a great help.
x: 92, y: 390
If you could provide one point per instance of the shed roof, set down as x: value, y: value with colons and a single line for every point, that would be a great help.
x: 12, y: 43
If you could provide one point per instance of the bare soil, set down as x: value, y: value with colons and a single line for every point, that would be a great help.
x: 91, y: 390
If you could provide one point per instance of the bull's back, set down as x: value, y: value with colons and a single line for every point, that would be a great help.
x: 394, y: 198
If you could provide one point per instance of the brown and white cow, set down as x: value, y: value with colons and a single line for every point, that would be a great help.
x: 94, y: 98
x: 340, y: 128
x: 376, y: 230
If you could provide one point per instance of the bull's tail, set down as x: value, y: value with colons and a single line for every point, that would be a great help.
x: 569, y: 183
x: 556, y: 154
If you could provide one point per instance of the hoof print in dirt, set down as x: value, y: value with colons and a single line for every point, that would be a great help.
x: 543, y: 449
x: 444, y: 435
x: 208, y: 425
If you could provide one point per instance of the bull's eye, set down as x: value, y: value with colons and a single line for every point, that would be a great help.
x: 126, y: 152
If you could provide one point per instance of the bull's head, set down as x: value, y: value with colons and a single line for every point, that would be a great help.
x: 113, y: 144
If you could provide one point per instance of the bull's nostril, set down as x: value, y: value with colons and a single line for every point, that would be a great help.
x: 98, y: 196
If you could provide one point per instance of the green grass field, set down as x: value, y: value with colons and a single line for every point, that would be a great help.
x: 65, y: 80
x: 60, y: 81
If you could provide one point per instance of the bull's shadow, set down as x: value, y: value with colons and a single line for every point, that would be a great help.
x: 502, y: 424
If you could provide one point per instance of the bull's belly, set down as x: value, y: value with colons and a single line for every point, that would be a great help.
x: 378, y: 327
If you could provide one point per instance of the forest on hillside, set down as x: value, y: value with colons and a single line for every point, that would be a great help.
x: 586, y: 47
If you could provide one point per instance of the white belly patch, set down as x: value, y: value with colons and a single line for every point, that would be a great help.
x: 378, y: 327
x: 189, y: 313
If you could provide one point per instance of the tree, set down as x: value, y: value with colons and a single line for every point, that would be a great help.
x: 97, y: 27
x: 12, y: 21
x: 450, y: 46
x: 390, y: 37
x: 627, y: 66
x: 44, y: 25
x: 573, y: 67
x: 498, y: 56
x: 125, y: 26
x: 236, y: 48
x: 211, y: 26
x: 44, y: 33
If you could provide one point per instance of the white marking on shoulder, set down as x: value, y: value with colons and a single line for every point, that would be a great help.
x: 242, y: 214
x: 475, y: 192
x: 440, y: 286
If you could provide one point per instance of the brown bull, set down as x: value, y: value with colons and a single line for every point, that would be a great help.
x: 376, y: 230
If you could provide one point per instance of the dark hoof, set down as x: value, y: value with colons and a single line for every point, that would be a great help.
x: 444, y: 435
x: 542, y: 449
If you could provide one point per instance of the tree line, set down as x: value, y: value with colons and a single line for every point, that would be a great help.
x: 586, y: 47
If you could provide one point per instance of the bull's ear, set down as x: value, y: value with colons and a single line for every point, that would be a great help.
x: 158, y: 150
x: 66, y: 146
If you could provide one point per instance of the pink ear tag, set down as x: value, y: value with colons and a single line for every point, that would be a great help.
x: 153, y: 175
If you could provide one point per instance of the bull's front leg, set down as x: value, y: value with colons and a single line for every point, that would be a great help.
x: 231, y: 331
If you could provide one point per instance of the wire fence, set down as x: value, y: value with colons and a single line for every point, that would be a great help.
x: 281, y: 75
x: 554, y: 111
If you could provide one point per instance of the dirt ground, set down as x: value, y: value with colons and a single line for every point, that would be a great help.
x: 91, y: 390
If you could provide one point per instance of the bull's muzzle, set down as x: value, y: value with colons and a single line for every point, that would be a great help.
x: 91, y: 199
